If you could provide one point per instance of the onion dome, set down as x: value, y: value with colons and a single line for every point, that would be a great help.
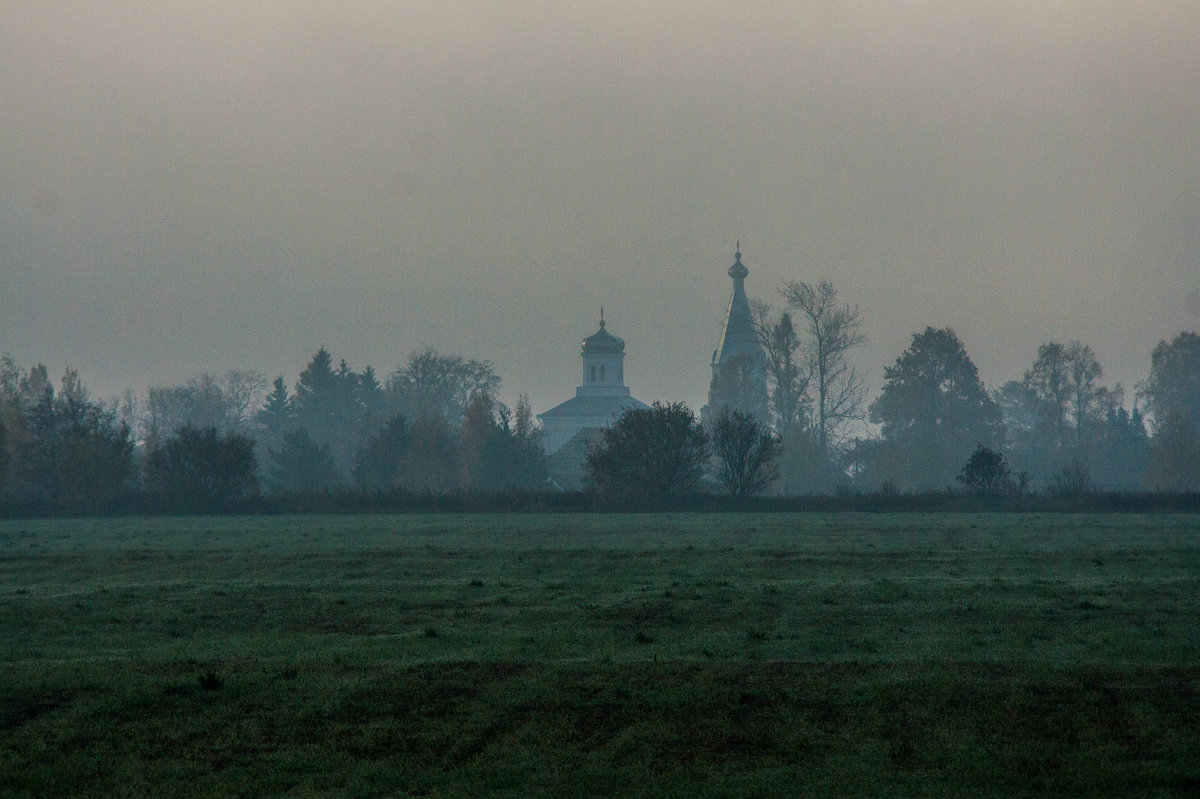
x: 737, y: 271
x: 602, y: 342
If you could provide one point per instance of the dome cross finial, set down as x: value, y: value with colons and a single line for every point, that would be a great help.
x: 601, y: 316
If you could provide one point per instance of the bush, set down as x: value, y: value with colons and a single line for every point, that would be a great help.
x: 986, y: 472
x: 650, y: 455
x: 202, y: 469
x: 744, y: 453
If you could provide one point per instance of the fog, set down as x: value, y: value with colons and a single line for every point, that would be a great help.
x: 196, y: 187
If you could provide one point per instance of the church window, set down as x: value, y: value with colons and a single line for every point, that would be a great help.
x: 601, y: 373
x: 593, y: 373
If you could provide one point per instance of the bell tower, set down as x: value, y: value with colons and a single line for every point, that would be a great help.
x: 603, y: 364
x: 739, y: 367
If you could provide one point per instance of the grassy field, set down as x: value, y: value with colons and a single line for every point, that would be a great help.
x: 577, y: 655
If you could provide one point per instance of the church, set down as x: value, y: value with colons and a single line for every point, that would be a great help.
x: 738, y: 381
x: 739, y: 366
x: 568, y: 428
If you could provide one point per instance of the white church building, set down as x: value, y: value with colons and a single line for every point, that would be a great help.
x: 569, y: 427
x: 738, y: 381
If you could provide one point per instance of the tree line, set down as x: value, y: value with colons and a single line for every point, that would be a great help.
x: 434, y: 426
x: 1056, y: 429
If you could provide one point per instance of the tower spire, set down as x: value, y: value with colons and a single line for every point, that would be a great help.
x: 738, y: 355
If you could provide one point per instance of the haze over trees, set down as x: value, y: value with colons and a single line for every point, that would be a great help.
x: 436, y: 426
x: 302, y: 465
x: 227, y: 403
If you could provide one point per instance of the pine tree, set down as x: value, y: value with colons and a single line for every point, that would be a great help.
x: 302, y: 465
x: 275, y: 417
x: 327, y: 405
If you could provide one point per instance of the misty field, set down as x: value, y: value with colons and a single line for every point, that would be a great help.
x: 580, y: 655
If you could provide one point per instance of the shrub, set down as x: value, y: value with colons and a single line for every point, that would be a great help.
x: 986, y: 472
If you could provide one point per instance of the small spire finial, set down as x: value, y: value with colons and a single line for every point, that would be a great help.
x: 738, y: 252
x: 601, y: 316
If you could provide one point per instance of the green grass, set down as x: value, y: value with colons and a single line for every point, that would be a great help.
x: 576, y: 655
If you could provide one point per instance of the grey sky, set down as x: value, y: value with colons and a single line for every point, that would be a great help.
x: 216, y: 185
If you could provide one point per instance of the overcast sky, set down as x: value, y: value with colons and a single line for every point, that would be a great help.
x: 200, y: 186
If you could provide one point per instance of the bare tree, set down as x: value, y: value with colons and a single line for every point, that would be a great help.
x: 1090, y: 401
x: 1049, y: 380
x: 744, y: 453
x: 833, y: 330
x: 201, y: 403
x: 243, y: 393
x: 1062, y: 384
x: 787, y: 377
x: 432, y: 384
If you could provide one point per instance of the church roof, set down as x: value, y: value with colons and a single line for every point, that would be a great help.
x: 591, y: 407
x: 738, y: 336
x: 602, y: 342
x: 565, y: 466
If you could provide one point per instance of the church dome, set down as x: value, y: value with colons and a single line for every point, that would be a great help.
x: 738, y: 271
x: 602, y: 342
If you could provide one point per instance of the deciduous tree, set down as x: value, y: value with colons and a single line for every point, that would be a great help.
x: 787, y: 376
x: 933, y: 410
x: 498, y: 453
x: 243, y: 390
x: 1172, y: 396
x: 201, y: 402
x: 1174, y: 382
x: 431, y: 384
x: 75, y: 448
x: 832, y: 329
x: 744, y: 453
x: 203, y: 468
x: 650, y: 455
